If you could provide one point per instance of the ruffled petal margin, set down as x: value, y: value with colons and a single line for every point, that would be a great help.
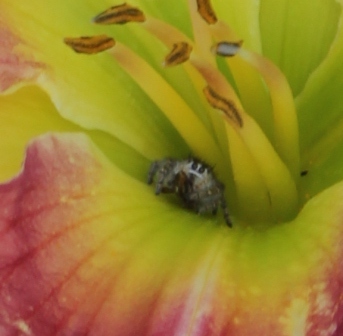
x: 86, y: 249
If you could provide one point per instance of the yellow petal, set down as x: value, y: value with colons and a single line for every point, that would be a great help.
x: 91, y: 91
x: 29, y: 112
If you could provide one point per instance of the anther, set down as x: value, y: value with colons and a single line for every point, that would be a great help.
x: 227, y: 49
x: 119, y: 15
x: 90, y: 44
x: 206, y: 11
x: 179, y: 54
x: 223, y: 104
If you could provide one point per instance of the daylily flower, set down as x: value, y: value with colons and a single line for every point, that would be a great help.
x: 252, y: 88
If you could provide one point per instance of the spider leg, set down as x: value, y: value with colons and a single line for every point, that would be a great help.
x: 163, y: 172
x: 159, y: 182
x: 225, y: 211
x: 152, y: 171
x: 204, y: 202
x: 160, y: 169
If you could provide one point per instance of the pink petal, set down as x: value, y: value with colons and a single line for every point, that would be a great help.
x: 14, y: 68
x: 85, y: 249
x: 72, y: 228
x: 49, y: 241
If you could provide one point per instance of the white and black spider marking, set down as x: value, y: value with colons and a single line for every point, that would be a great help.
x: 194, y: 181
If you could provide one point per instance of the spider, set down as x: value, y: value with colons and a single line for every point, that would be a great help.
x: 194, y: 181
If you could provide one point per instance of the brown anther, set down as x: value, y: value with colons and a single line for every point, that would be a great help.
x: 179, y: 54
x: 90, y: 44
x: 206, y: 11
x: 119, y: 15
x: 223, y: 104
x: 227, y: 49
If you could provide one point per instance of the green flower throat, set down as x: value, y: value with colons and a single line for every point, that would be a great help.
x: 247, y: 126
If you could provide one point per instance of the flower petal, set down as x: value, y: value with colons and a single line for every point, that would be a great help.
x: 297, y: 35
x: 24, y: 115
x: 82, y: 87
x: 58, y: 220
x: 320, y: 113
x: 15, y: 70
x: 320, y: 104
x: 85, y: 249
x: 322, y: 163
x: 29, y: 112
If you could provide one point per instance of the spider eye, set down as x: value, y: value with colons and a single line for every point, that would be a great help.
x: 194, y: 165
x: 202, y: 169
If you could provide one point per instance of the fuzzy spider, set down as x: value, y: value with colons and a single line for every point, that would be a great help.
x: 194, y: 181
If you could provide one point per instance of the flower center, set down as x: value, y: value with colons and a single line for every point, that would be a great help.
x: 249, y: 131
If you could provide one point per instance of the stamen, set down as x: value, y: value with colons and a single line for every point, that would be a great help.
x: 168, y: 101
x: 90, y: 44
x: 201, y: 34
x: 227, y: 49
x: 168, y: 35
x: 206, y: 11
x: 179, y: 54
x: 223, y: 104
x: 165, y: 32
x: 280, y: 185
x: 222, y: 91
x: 251, y: 87
x: 275, y: 186
x: 284, y: 113
x: 247, y: 177
x: 282, y: 191
x: 119, y: 15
